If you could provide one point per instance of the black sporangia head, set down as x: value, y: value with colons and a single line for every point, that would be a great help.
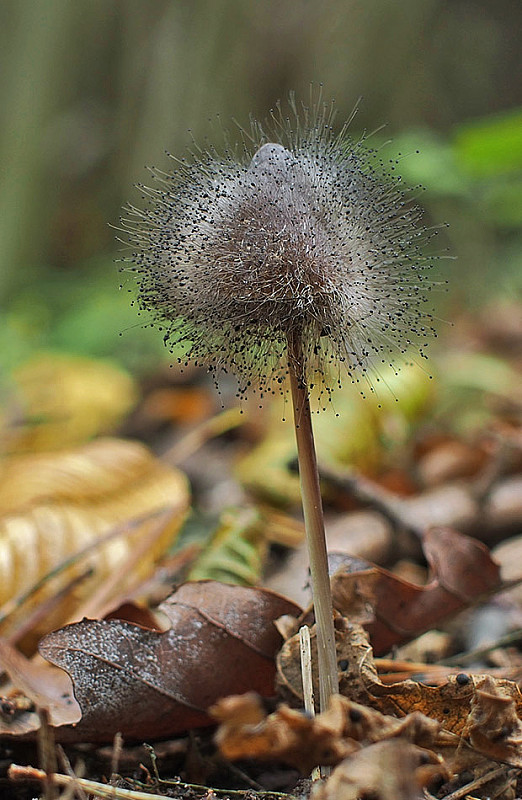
x: 298, y: 233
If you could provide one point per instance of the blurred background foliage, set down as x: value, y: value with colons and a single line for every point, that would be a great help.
x: 91, y: 91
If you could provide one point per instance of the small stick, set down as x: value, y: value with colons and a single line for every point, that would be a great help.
x: 306, y: 669
x: 16, y: 772
x: 106, y: 791
x: 117, y: 747
x: 73, y: 790
x: 47, y: 754
x: 215, y: 426
x: 462, y: 659
x: 493, y: 775
x: 308, y: 684
x: 314, y: 526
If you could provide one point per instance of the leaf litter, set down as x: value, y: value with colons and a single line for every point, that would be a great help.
x: 448, y: 731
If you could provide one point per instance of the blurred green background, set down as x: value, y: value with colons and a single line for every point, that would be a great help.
x: 91, y: 91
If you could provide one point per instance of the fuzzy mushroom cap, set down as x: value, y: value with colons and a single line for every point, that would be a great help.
x: 309, y: 237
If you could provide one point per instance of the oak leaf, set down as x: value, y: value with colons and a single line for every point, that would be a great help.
x: 462, y: 570
x: 149, y: 684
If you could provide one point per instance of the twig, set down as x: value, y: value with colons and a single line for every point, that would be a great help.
x: 477, y: 783
x: 452, y: 505
x: 370, y: 493
x: 44, y: 609
x: 215, y: 426
x: 17, y: 772
x: 306, y: 669
x: 306, y: 675
x: 73, y: 788
x: 117, y: 748
x: 460, y: 659
x: 46, y: 754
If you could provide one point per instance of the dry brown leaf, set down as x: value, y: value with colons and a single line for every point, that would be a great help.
x: 149, y: 684
x: 493, y: 727
x: 53, y: 506
x: 462, y: 571
x: 387, y: 770
x: 64, y: 400
x: 449, y: 703
x: 246, y: 731
x: 44, y: 685
x: 287, y: 735
x: 353, y: 651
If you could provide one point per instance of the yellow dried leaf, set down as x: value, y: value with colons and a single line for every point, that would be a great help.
x: 54, y: 505
x: 63, y: 400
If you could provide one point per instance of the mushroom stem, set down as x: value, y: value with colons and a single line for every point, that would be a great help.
x: 314, y: 525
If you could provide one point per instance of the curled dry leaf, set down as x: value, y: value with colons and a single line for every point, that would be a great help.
x: 386, y: 770
x: 149, y: 684
x: 494, y: 727
x: 246, y: 731
x: 54, y: 506
x: 44, y: 686
x: 462, y: 570
x: 287, y: 735
x: 354, y: 657
x: 450, y: 703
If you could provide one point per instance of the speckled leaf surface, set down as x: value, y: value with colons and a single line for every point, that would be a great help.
x: 149, y: 684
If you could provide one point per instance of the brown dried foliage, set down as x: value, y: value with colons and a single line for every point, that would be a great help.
x: 150, y: 684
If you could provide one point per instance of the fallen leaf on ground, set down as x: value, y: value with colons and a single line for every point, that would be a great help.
x: 493, y: 727
x: 288, y: 735
x: 45, y: 686
x: 462, y: 571
x: 64, y: 400
x: 353, y: 653
x: 60, y: 509
x: 449, y: 703
x: 149, y: 684
x: 387, y: 770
